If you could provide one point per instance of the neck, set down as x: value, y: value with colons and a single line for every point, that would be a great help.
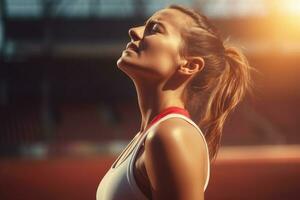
x: 153, y: 100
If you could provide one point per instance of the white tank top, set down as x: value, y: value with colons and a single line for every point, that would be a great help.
x: 119, y: 183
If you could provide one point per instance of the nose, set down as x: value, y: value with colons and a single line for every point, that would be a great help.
x: 133, y: 33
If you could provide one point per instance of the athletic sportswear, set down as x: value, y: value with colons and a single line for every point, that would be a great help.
x: 119, y: 182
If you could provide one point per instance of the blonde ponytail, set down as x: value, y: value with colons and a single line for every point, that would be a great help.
x: 223, y: 83
x: 230, y: 90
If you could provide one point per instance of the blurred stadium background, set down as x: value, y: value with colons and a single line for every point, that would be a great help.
x: 66, y: 111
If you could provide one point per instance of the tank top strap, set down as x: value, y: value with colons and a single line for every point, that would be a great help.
x: 161, y: 119
x: 179, y: 115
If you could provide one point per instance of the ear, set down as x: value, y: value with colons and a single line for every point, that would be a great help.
x: 192, y: 65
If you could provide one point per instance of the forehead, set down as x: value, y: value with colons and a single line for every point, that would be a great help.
x: 172, y: 18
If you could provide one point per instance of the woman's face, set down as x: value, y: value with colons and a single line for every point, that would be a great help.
x: 158, y: 44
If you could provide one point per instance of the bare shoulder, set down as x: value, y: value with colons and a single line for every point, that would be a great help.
x: 175, y: 160
x: 177, y: 132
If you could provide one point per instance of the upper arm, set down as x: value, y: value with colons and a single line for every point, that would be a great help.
x: 175, y: 161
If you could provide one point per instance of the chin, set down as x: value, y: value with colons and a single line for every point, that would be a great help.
x: 123, y: 63
x: 126, y: 62
x: 132, y: 70
x: 126, y: 66
x: 119, y: 63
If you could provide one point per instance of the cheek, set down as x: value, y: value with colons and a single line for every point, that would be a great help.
x: 162, y: 54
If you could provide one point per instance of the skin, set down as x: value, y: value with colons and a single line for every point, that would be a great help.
x: 172, y: 164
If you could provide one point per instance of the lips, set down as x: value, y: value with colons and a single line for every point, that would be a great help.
x: 132, y: 46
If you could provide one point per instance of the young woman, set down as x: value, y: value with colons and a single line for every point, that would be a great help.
x: 186, y: 77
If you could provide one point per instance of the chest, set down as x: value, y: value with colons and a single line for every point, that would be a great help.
x: 139, y: 170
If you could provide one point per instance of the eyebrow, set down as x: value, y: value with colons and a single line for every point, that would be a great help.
x: 155, y: 21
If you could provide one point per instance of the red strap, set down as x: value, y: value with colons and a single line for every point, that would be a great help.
x: 169, y: 110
